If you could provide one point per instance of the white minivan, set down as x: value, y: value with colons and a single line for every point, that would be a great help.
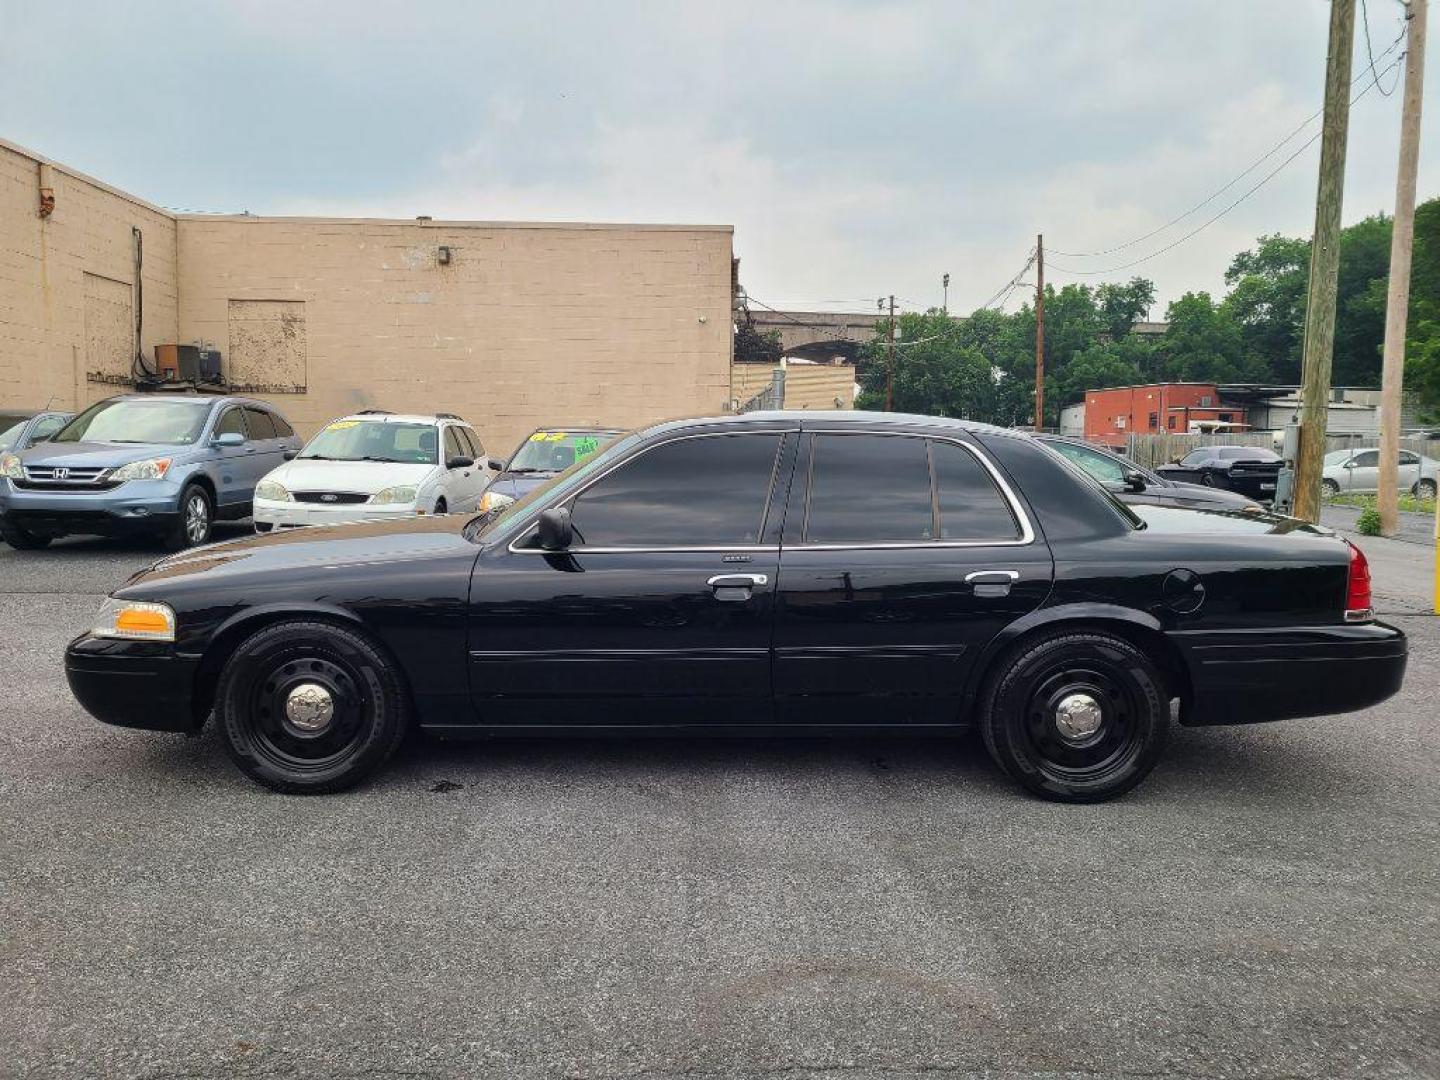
x: 375, y: 465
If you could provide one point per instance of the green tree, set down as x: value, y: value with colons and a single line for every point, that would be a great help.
x: 1120, y: 307
x: 1267, y: 302
x: 1205, y: 343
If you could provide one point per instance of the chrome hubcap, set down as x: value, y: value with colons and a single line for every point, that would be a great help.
x: 1078, y: 717
x: 309, y: 707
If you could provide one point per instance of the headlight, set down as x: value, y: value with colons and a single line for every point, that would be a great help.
x: 269, y: 489
x: 393, y: 496
x: 134, y: 619
x: 10, y: 467
x: 152, y: 469
x: 494, y: 500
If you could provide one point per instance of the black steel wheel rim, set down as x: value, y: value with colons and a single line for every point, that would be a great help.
x: 280, y: 740
x: 1094, y: 759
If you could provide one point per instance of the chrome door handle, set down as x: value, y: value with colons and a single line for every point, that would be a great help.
x: 737, y: 581
x: 992, y: 582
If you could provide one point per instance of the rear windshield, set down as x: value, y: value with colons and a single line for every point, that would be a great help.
x: 1249, y: 453
x: 375, y: 440
x: 127, y: 420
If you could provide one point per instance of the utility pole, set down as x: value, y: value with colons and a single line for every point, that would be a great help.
x: 1402, y: 236
x: 945, y: 303
x: 890, y: 359
x: 1040, y: 332
x: 1319, y: 348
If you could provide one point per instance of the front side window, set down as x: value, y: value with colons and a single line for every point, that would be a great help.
x: 232, y: 422
x: 1407, y: 458
x: 868, y: 489
x: 709, y: 491
x: 127, y: 420
x: 1367, y: 459
x: 375, y: 440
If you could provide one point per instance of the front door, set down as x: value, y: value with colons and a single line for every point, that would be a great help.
x: 660, y: 613
x: 903, y: 562
x: 1364, y: 471
x: 238, y: 466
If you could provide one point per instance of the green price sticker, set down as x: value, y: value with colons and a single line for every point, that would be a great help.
x: 585, y: 447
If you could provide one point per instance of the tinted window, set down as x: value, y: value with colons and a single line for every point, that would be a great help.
x: 1407, y: 458
x: 971, y: 506
x: 1248, y: 453
x: 232, y: 421
x: 1367, y: 459
x: 869, y: 489
x: 1101, y: 466
x: 261, y: 426
x: 282, y: 428
x: 701, y: 492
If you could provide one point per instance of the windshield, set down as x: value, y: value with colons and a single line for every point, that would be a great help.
x: 375, y: 440
x: 10, y: 434
x: 556, y: 451
x: 1335, y: 457
x: 496, y: 521
x: 127, y: 420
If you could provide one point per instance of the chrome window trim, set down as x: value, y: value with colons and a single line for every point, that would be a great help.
x: 533, y: 523
x: 1027, y: 531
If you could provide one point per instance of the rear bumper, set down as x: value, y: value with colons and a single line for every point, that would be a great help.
x: 134, y: 684
x: 1249, y: 676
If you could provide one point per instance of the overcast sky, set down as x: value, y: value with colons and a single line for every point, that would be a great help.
x: 858, y: 148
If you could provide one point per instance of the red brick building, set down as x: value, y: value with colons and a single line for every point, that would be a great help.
x: 1118, y: 411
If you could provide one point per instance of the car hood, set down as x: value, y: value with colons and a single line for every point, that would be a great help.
x: 367, y: 476
x: 101, y: 455
x: 320, y: 546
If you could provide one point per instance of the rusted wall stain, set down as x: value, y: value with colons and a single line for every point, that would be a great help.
x: 267, y: 346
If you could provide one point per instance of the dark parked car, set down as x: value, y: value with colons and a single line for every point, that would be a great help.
x: 1250, y: 470
x: 20, y: 430
x: 159, y: 464
x: 1132, y: 484
x: 542, y: 455
x: 768, y: 572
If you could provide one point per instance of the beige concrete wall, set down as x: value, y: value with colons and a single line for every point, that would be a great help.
x: 67, y: 283
x: 527, y: 325
x: 807, y: 386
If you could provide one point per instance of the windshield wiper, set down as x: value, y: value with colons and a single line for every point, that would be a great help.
x: 386, y: 460
x: 525, y: 470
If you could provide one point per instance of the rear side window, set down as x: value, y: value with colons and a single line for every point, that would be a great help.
x: 868, y: 489
x: 282, y: 428
x: 471, y: 436
x: 452, y: 445
x: 709, y: 491
x: 261, y: 426
x: 971, y: 506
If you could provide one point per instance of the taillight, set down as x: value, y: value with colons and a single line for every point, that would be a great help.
x: 1358, y: 607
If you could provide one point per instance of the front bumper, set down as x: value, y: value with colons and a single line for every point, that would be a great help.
x: 135, y: 506
x: 1249, y: 676
x: 272, y: 516
x: 134, y: 684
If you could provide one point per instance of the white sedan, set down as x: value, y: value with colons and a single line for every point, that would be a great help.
x: 1349, y: 471
x: 376, y: 465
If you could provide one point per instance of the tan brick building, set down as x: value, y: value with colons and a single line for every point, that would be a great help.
x: 511, y: 325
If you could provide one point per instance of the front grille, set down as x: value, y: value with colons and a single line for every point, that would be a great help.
x: 331, y: 498
x: 78, y: 476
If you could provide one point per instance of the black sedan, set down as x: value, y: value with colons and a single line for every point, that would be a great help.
x: 1250, y: 470
x: 1132, y: 484
x: 771, y: 572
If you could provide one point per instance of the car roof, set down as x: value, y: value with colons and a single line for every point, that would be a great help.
x: 836, y: 418
x: 209, y: 399
x: 582, y: 429
x: 381, y: 417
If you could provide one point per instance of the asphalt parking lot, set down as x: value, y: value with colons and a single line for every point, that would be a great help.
x: 1267, y: 904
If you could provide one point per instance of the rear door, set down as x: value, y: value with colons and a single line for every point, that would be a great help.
x: 269, y: 446
x: 660, y: 612
x: 462, y: 483
x: 903, y: 556
x: 1409, y: 469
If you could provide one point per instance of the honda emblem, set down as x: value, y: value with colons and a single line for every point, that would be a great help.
x: 62, y: 474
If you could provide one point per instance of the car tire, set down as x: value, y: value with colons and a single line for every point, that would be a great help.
x: 194, y: 521
x: 441, y: 506
x: 1208, y: 479
x: 1424, y: 489
x: 309, y: 708
x: 1329, y: 489
x: 1062, y: 675
x: 22, y: 539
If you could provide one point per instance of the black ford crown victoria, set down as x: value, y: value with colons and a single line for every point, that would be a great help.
x: 777, y: 572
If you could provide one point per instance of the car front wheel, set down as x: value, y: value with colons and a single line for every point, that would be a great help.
x: 1076, y: 717
x: 309, y: 708
x: 22, y: 539
x: 192, y: 524
x: 1425, y: 489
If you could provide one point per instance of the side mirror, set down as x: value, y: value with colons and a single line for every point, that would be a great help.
x: 496, y: 464
x: 459, y: 461
x: 1134, y: 481
x: 291, y: 455
x: 230, y: 438
x: 556, y: 532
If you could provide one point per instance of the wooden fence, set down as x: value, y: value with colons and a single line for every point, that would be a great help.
x: 1165, y: 447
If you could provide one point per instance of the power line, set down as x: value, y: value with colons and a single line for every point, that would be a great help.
x: 1010, y: 286
x: 1210, y: 221
x: 1234, y: 180
x: 1365, y: 18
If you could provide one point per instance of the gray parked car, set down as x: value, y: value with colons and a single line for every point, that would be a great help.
x: 160, y: 464
x: 1359, y: 471
x: 1132, y: 484
x: 22, y: 429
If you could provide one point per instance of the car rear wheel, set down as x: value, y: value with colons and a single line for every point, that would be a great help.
x: 22, y: 539
x: 1076, y: 717
x: 309, y: 708
x: 1208, y: 479
x: 192, y: 524
x: 441, y: 507
x: 1329, y: 489
x: 1425, y: 489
